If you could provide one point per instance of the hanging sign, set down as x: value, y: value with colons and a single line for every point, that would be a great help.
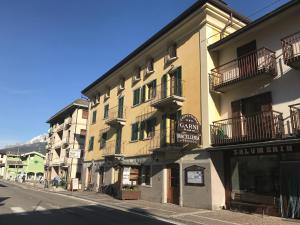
x: 188, y: 130
x: 75, y: 153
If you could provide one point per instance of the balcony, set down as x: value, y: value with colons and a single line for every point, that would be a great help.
x: 295, y: 118
x: 291, y: 50
x: 116, y: 117
x: 59, y: 128
x: 169, y: 97
x: 112, y: 149
x: 57, y: 161
x: 68, y: 123
x: 164, y: 140
x: 262, y: 126
x: 65, y: 142
x: 257, y: 65
x: 67, y: 162
x: 58, y: 145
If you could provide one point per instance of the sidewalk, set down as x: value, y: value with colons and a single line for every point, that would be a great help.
x: 180, y: 215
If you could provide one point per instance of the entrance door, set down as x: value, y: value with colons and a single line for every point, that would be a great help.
x: 290, y: 189
x: 173, y: 184
x: 247, y: 60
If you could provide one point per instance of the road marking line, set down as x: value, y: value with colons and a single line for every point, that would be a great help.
x: 42, y: 210
x: 18, y: 210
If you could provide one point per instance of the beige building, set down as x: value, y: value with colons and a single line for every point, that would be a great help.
x: 251, y: 110
x: 3, y: 158
x: 66, y: 140
x: 135, y: 107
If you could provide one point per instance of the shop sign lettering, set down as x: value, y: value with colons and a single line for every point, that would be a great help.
x: 263, y: 150
x: 188, y: 130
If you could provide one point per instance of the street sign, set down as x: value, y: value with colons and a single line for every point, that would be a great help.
x: 75, y: 153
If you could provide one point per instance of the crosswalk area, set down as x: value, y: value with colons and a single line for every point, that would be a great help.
x: 55, y: 209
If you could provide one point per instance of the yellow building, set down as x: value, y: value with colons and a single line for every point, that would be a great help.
x: 65, y: 142
x: 135, y: 106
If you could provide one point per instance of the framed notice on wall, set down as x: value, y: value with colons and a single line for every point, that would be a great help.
x: 194, y: 175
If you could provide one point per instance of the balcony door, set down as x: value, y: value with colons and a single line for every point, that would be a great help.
x: 120, y: 107
x: 118, y: 141
x: 258, y: 116
x: 168, y: 128
x: 252, y: 117
x: 247, y: 59
x: 176, y: 82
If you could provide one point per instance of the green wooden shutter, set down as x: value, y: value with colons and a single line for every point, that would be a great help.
x: 164, y: 86
x: 154, y: 89
x: 142, y: 130
x: 143, y: 93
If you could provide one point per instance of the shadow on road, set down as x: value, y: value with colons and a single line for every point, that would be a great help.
x: 83, y: 215
x: 2, y: 199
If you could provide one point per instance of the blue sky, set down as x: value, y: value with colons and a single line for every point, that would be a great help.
x: 51, y: 49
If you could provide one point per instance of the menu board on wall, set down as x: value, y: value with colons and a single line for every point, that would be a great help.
x: 194, y: 175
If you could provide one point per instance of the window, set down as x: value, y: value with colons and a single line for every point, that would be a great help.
x: 85, y: 114
x: 172, y: 54
x: 103, y: 139
x: 151, y: 89
x: 150, y: 127
x: 150, y: 66
x: 106, y: 110
x: 91, y: 143
x: 172, y: 51
x: 136, y: 96
x: 145, y: 175
x: 122, y: 84
x: 134, y: 131
x: 147, y: 128
x: 94, y: 118
x: 137, y: 75
x: 107, y: 93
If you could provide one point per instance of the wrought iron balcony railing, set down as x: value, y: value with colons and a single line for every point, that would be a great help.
x: 116, y: 116
x: 257, y: 127
x: 164, y: 140
x: 112, y: 148
x: 168, y: 96
x: 255, y: 64
x: 295, y: 118
x: 291, y: 50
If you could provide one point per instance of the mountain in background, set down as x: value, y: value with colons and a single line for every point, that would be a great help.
x: 37, y: 144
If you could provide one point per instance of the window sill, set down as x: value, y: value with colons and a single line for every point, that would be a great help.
x: 136, y: 105
x: 133, y: 141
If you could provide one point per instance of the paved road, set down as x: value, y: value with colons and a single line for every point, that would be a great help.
x: 20, y: 206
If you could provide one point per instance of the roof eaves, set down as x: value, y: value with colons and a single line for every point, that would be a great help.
x: 163, y: 31
x: 254, y: 24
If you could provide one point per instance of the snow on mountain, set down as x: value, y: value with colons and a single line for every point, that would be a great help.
x: 37, y: 139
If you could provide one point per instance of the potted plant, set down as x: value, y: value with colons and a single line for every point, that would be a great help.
x: 129, y: 193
